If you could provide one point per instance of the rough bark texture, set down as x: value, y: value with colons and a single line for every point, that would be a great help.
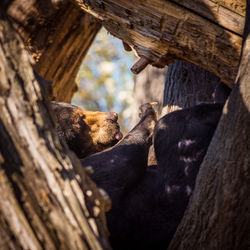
x: 181, y: 85
x: 46, y: 203
x: 228, y: 14
x: 187, y: 85
x: 218, y: 216
x: 161, y: 31
x: 58, y: 37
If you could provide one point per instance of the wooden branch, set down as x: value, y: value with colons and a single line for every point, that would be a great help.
x: 159, y: 30
x: 140, y: 65
x: 229, y: 14
x: 58, y: 35
x: 126, y: 47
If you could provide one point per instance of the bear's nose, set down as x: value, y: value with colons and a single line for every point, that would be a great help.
x: 113, y: 116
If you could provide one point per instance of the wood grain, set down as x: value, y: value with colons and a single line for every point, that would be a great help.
x: 42, y: 185
x: 57, y: 38
x: 164, y: 30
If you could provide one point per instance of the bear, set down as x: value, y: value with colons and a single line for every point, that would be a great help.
x: 148, y: 203
x: 180, y: 141
x: 119, y: 171
x: 86, y: 132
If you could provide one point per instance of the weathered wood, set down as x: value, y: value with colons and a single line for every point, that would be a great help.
x: 238, y: 6
x: 162, y: 30
x: 47, y: 201
x: 228, y: 14
x: 218, y: 215
x: 140, y: 65
x: 58, y: 37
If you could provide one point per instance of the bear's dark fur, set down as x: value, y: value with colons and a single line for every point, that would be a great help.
x: 86, y: 132
x: 148, y: 203
x: 181, y: 139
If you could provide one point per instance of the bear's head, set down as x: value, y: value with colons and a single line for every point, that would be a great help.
x: 86, y: 132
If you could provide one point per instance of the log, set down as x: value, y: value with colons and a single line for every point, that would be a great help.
x: 229, y: 14
x: 47, y: 200
x: 58, y: 36
x: 165, y: 30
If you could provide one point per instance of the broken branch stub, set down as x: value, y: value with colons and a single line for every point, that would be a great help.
x: 140, y: 65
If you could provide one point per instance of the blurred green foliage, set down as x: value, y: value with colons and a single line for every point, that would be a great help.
x: 105, y: 82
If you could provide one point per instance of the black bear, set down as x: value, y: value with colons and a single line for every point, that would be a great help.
x: 118, y: 169
x: 86, y: 132
x: 148, y: 203
x: 121, y: 171
x: 181, y: 139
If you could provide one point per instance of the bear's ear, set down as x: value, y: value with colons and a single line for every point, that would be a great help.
x: 82, y: 122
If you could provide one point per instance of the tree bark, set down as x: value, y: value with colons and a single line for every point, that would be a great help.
x: 161, y: 31
x: 187, y: 85
x: 181, y: 85
x: 218, y: 216
x: 47, y: 201
x: 58, y: 37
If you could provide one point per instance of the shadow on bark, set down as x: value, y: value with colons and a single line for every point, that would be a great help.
x: 218, y: 214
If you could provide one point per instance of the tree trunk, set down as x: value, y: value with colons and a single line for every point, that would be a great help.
x: 218, y: 216
x: 58, y: 37
x: 161, y: 31
x: 43, y: 205
x: 187, y: 85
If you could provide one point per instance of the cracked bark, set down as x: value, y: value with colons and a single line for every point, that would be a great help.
x: 206, y: 33
x: 218, y: 214
x: 187, y: 85
x: 45, y: 203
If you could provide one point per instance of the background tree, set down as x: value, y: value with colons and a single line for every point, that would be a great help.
x: 149, y: 87
x: 180, y: 85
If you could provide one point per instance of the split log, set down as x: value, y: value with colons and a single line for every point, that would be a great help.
x: 58, y: 36
x: 161, y: 31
